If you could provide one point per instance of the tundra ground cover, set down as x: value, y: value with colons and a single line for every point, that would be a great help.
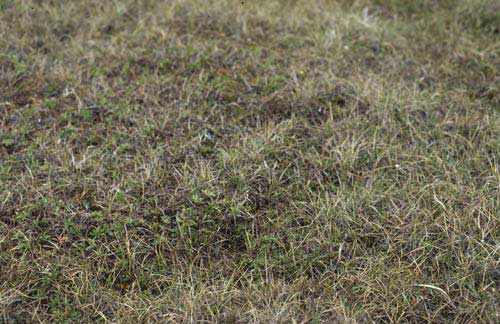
x: 256, y: 162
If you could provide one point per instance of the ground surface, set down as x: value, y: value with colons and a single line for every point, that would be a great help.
x: 271, y: 161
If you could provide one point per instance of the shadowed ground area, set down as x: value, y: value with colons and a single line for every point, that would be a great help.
x: 249, y: 162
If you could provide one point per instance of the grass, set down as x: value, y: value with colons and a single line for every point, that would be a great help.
x: 257, y: 162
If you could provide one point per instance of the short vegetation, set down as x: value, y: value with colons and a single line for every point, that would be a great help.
x: 249, y: 162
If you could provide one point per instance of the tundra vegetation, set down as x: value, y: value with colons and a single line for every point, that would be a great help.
x: 256, y: 162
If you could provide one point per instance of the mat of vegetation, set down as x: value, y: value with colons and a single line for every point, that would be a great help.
x: 257, y: 162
